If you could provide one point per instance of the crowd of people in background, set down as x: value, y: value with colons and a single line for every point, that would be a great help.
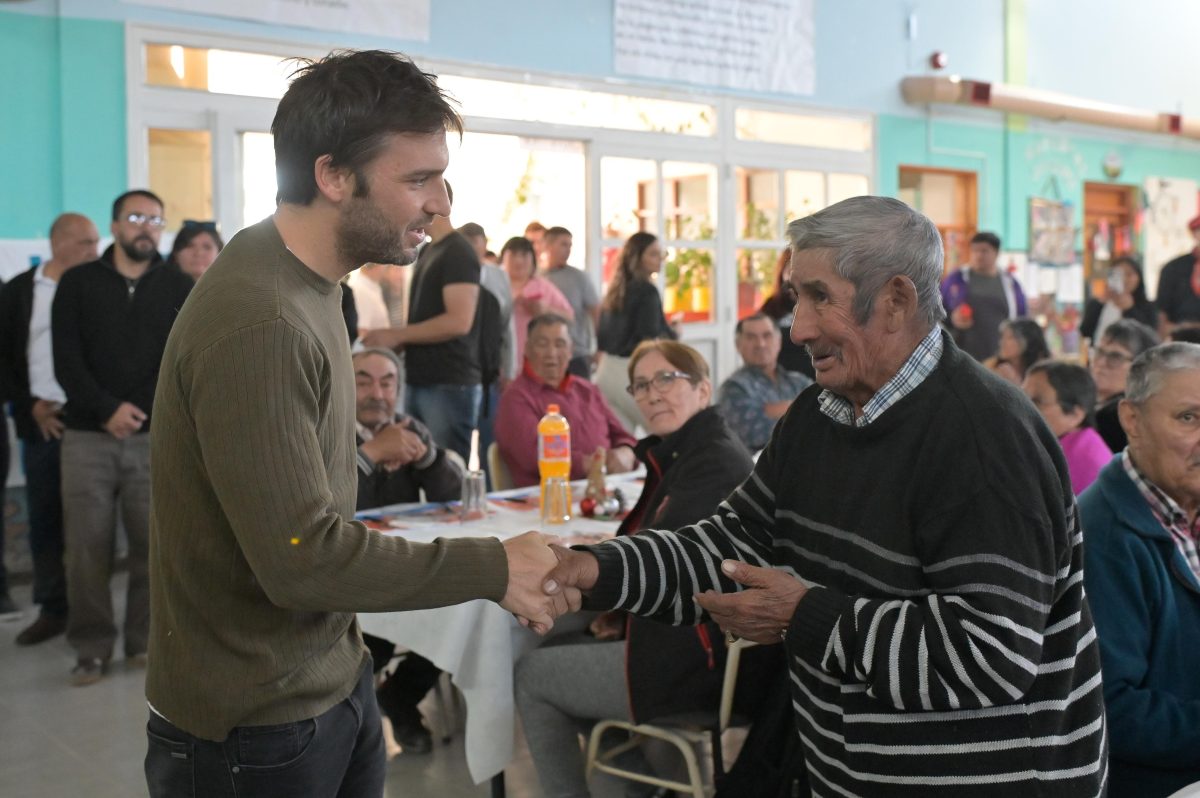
x: 466, y: 341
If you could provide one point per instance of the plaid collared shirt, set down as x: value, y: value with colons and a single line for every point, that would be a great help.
x: 1183, y: 530
x: 919, y: 365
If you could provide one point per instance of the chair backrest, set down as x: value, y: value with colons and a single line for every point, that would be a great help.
x: 501, y: 479
x: 732, y: 659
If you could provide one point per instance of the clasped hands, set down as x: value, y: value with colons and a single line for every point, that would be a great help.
x: 547, y: 580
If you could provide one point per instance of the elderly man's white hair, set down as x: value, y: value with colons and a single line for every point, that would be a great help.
x: 1151, y: 367
x: 873, y: 239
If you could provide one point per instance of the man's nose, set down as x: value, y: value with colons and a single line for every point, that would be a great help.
x: 803, y: 327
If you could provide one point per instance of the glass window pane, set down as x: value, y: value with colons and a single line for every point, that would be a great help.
x: 846, y: 186
x: 758, y: 204
x: 499, y: 99
x: 805, y: 193
x: 259, y: 184
x: 218, y: 71
x: 689, y: 200
x: 826, y: 132
x: 756, y: 278
x: 505, y: 182
x: 687, y: 284
x: 181, y: 173
x: 628, y: 197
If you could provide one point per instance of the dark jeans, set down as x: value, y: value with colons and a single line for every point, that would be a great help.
x: 338, y: 754
x: 43, y: 489
x: 487, y: 431
x: 449, y: 411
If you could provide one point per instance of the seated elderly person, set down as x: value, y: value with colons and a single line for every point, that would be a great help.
x: 1142, y: 574
x: 544, y: 381
x: 397, y: 459
x: 760, y: 392
x: 635, y: 668
x: 397, y: 456
x: 1121, y: 342
x: 1064, y: 394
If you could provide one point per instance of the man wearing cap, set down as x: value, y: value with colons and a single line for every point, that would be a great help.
x: 1179, y: 283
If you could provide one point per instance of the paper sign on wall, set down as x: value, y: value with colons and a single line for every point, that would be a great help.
x: 400, y: 19
x: 754, y: 45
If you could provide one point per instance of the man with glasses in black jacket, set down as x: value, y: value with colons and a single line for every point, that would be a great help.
x: 110, y: 320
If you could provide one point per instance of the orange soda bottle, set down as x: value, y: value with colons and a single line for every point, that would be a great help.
x: 554, y: 448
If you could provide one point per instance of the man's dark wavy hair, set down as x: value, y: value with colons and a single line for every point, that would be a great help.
x: 345, y: 106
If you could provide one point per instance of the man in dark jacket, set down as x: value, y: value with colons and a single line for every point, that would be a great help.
x: 27, y: 373
x: 397, y: 459
x: 110, y: 320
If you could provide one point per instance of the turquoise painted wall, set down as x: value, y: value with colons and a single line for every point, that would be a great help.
x: 1014, y: 166
x: 65, y: 147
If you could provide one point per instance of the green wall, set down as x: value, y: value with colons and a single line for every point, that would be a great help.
x: 64, y: 149
x: 1014, y: 166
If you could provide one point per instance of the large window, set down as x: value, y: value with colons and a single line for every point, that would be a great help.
x: 717, y: 180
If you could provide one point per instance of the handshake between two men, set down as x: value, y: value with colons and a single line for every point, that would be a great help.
x: 546, y: 580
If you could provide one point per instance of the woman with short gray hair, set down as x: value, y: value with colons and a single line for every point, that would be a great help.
x: 1120, y: 344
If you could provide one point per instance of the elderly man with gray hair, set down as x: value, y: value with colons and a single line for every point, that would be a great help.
x: 909, y: 536
x: 1143, y: 576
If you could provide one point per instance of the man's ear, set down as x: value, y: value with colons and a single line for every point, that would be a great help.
x: 899, y: 297
x: 1127, y: 413
x: 336, y: 184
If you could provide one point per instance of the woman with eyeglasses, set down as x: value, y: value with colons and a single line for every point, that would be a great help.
x: 196, y: 246
x: 632, y: 312
x: 1121, y: 342
x: 635, y: 668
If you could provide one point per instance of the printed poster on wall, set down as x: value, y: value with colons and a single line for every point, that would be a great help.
x: 754, y: 45
x: 1170, y: 205
x: 399, y: 19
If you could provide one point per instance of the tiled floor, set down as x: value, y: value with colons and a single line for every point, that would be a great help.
x: 59, y: 740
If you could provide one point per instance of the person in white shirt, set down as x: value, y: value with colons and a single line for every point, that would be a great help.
x: 366, y: 283
x: 28, y: 382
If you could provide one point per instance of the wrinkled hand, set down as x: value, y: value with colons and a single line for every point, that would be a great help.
x: 128, y: 419
x: 48, y: 416
x: 760, y: 613
x: 529, y: 561
x: 620, y: 460
x: 387, y: 338
x: 608, y: 626
x: 394, y: 446
x: 576, y: 570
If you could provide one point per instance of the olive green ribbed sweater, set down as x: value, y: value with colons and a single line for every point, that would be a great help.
x: 256, y: 568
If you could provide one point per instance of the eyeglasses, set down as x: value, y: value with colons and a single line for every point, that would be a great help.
x: 192, y: 224
x: 143, y: 218
x: 1110, y: 357
x: 661, y: 381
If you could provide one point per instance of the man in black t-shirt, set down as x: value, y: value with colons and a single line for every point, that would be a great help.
x: 441, y: 341
x: 1179, y: 283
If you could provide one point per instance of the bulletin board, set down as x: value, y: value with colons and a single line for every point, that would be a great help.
x: 1051, y: 233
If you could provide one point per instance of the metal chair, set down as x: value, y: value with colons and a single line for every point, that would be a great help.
x: 684, y: 731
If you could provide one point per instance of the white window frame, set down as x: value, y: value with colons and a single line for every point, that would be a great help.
x: 225, y: 116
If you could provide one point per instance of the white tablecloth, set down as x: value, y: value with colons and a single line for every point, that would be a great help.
x: 477, y: 643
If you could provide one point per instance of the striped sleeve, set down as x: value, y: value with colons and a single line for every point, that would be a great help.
x: 656, y: 573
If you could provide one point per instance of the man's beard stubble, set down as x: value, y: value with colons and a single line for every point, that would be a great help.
x: 136, y: 255
x: 364, y: 235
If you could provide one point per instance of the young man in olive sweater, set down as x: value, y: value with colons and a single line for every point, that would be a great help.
x: 258, y: 679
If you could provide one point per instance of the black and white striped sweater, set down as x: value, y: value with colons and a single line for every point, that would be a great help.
x: 945, y: 646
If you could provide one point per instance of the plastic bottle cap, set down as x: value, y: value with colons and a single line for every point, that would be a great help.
x: 551, y: 408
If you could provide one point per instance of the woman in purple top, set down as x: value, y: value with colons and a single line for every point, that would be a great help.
x: 1064, y: 394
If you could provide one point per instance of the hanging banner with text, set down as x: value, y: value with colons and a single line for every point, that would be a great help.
x: 399, y: 19
x: 754, y: 45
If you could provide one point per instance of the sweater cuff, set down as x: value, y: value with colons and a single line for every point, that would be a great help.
x: 815, y: 619
x: 431, y: 454
x: 612, y: 579
x: 365, y: 464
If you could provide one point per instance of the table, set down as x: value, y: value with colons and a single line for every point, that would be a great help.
x: 477, y: 642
